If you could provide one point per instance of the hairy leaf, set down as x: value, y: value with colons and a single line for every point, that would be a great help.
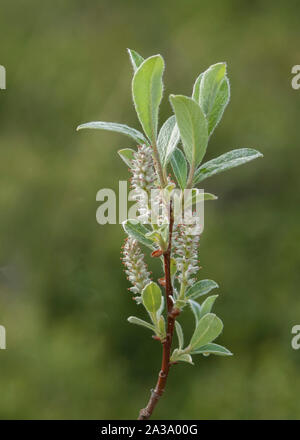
x: 209, y: 86
x: 152, y: 297
x: 137, y: 231
x: 212, y: 349
x: 177, y: 356
x: 135, y: 58
x: 147, y: 88
x: 208, y: 328
x: 179, y: 167
x: 192, y: 126
x: 225, y: 162
x: 162, y: 327
x: 180, y: 336
x: 196, y: 309
x: 219, y: 105
x: 201, y: 288
x: 207, y: 305
x: 184, y: 357
x: 138, y: 321
x: 196, y: 88
x: 195, y: 197
x: 113, y: 126
x: 167, y: 140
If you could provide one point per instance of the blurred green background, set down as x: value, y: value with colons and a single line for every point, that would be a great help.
x: 63, y: 299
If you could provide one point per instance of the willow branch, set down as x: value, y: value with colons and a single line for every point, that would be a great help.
x: 159, y: 389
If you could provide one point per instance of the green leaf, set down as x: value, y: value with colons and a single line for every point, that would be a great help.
x: 212, y: 92
x: 138, y: 321
x: 137, y: 231
x: 185, y: 358
x: 208, y: 328
x: 179, y: 333
x: 210, y: 84
x: 179, y: 167
x: 178, y: 355
x: 152, y: 297
x: 213, y: 349
x: 196, y: 309
x: 201, y: 288
x: 167, y: 140
x: 196, y: 197
x: 219, y: 105
x: 113, y: 126
x: 179, y: 304
x: 147, y: 88
x: 160, y: 236
x: 207, y: 305
x: 225, y: 162
x: 155, y: 236
x: 196, y: 88
x: 162, y: 327
x: 204, y: 197
x: 173, y: 267
x: 127, y: 155
x: 135, y: 58
x: 192, y: 126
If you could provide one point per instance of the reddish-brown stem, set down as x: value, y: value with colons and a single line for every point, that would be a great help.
x: 172, y: 313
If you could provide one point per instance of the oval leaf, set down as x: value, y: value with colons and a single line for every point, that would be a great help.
x: 147, y: 90
x: 201, y: 288
x: 152, y: 297
x: 208, y: 328
x: 225, y: 162
x: 192, y: 126
x: 113, y: 126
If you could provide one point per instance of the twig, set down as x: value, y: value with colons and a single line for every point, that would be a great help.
x: 145, y: 413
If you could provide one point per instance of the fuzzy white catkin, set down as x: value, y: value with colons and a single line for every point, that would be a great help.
x: 143, y: 180
x: 186, y: 253
x: 135, y: 266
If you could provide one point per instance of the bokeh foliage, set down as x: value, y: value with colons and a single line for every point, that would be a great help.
x: 71, y: 353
